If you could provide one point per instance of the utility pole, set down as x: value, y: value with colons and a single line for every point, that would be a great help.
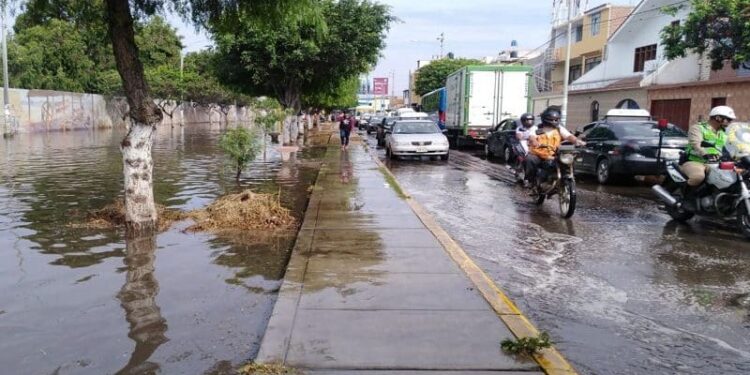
x: 182, y: 89
x: 441, y: 39
x: 6, y: 99
x: 566, y: 79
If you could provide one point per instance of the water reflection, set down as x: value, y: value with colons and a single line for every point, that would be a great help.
x: 57, y: 282
x: 138, y: 298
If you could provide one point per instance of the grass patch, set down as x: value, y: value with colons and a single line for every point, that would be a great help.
x: 245, y: 210
x: 527, y: 345
x: 113, y: 216
x: 267, y: 369
x: 393, y: 183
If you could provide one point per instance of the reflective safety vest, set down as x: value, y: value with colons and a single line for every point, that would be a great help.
x: 549, y: 141
x: 717, y: 138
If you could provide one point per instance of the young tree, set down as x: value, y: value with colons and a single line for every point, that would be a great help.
x: 432, y: 76
x: 721, y: 27
x: 241, y: 145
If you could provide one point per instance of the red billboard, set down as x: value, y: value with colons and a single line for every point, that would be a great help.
x: 380, y: 86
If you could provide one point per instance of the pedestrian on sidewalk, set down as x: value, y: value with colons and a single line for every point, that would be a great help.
x: 345, y: 129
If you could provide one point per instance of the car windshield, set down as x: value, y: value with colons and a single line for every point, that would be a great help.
x: 415, y: 128
x: 644, y: 130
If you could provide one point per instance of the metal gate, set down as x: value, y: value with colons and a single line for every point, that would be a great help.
x: 677, y: 111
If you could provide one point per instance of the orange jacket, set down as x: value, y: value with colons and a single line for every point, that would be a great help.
x: 551, y: 139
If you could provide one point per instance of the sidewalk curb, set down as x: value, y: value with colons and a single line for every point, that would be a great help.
x: 550, y: 360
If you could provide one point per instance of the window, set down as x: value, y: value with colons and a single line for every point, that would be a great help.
x: 628, y: 104
x: 575, y: 72
x: 601, y: 132
x: 579, y: 33
x: 510, y: 125
x: 592, y: 62
x: 715, y: 102
x: 643, y: 54
x: 595, y: 111
x: 596, y: 23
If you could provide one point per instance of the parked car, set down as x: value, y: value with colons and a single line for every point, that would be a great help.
x: 498, y: 143
x: 617, y: 148
x: 388, y: 122
x: 372, y: 124
x: 364, y: 121
x: 415, y: 138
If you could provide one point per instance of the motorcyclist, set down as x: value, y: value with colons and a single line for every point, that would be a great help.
x: 712, y: 132
x: 544, y: 141
x: 524, y: 131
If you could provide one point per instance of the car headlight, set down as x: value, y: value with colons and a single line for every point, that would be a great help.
x: 567, y: 158
x: 402, y: 143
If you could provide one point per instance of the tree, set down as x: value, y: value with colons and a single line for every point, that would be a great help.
x: 298, y: 58
x: 432, y: 76
x: 241, y: 145
x: 719, y: 27
x: 33, y: 64
x: 342, y: 96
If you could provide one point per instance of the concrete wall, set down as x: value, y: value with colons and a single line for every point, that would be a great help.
x: 45, y: 110
x: 700, y: 95
x: 579, y: 104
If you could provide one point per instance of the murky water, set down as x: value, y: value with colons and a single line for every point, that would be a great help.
x: 620, y: 288
x: 88, y: 302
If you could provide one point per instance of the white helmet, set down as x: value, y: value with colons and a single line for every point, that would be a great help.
x: 723, y: 110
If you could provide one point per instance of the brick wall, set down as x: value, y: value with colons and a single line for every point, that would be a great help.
x: 579, y: 104
x: 737, y: 94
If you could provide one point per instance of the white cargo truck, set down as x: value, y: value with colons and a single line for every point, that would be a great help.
x: 481, y: 96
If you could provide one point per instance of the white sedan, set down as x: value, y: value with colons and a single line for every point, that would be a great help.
x: 416, y: 138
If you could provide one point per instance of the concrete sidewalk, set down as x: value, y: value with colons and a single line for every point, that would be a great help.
x: 371, y: 290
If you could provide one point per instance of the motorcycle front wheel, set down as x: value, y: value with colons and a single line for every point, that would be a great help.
x: 567, y: 196
x: 743, y: 220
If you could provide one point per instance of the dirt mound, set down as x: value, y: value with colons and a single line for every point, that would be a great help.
x: 244, y: 210
x: 113, y: 216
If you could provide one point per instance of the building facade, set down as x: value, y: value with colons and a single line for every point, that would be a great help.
x: 589, y: 33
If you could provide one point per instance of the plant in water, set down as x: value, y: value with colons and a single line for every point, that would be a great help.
x: 527, y: 345
x: 241, y: 145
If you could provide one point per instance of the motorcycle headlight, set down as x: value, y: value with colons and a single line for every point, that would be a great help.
x: 567, y: 159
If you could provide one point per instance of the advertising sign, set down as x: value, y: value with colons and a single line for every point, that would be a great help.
x: 380, y: 86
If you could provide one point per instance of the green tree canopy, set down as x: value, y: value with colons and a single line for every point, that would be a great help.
x: 720, y: 27
x: 342, y: 96
x: 432, y: 76
x: 296, y: 58
x: 52, y: 57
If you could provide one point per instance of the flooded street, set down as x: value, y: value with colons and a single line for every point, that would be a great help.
x: 620, y: 288
x: 85, y: 301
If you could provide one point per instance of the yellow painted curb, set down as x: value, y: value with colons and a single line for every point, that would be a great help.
x: 550, y: 360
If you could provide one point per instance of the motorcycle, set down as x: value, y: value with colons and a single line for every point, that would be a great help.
x: 516, y: 158
x: 724, y: 193
x: 557, y: 177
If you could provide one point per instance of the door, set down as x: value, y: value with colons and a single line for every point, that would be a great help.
x: 676, y: 111
x: 595, y: 144
x: 495, y: 138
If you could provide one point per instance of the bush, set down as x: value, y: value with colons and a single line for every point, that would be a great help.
x: 241, y: 146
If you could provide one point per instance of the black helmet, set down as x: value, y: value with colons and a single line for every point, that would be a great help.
x: 551, y: 116
x: 526, y: 117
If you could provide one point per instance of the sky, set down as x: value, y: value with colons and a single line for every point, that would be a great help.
x: 472, y: 29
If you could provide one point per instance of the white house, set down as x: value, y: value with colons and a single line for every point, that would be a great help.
x: 634, y: 58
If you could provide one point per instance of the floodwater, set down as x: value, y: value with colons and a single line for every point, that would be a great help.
x: 82, y: 301
x: 620, y: 288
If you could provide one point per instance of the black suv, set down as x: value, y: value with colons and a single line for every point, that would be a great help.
x: 619, y: 148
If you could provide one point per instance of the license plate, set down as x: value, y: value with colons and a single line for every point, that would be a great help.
x: 421, y: 149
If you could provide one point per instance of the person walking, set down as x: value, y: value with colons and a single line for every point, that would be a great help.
x: 345, y: 130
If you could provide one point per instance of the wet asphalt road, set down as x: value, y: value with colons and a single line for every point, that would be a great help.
x: 620, y: 287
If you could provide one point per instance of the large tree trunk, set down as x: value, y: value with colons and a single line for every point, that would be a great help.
x: 290, y: 99
x: 140, y: 210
